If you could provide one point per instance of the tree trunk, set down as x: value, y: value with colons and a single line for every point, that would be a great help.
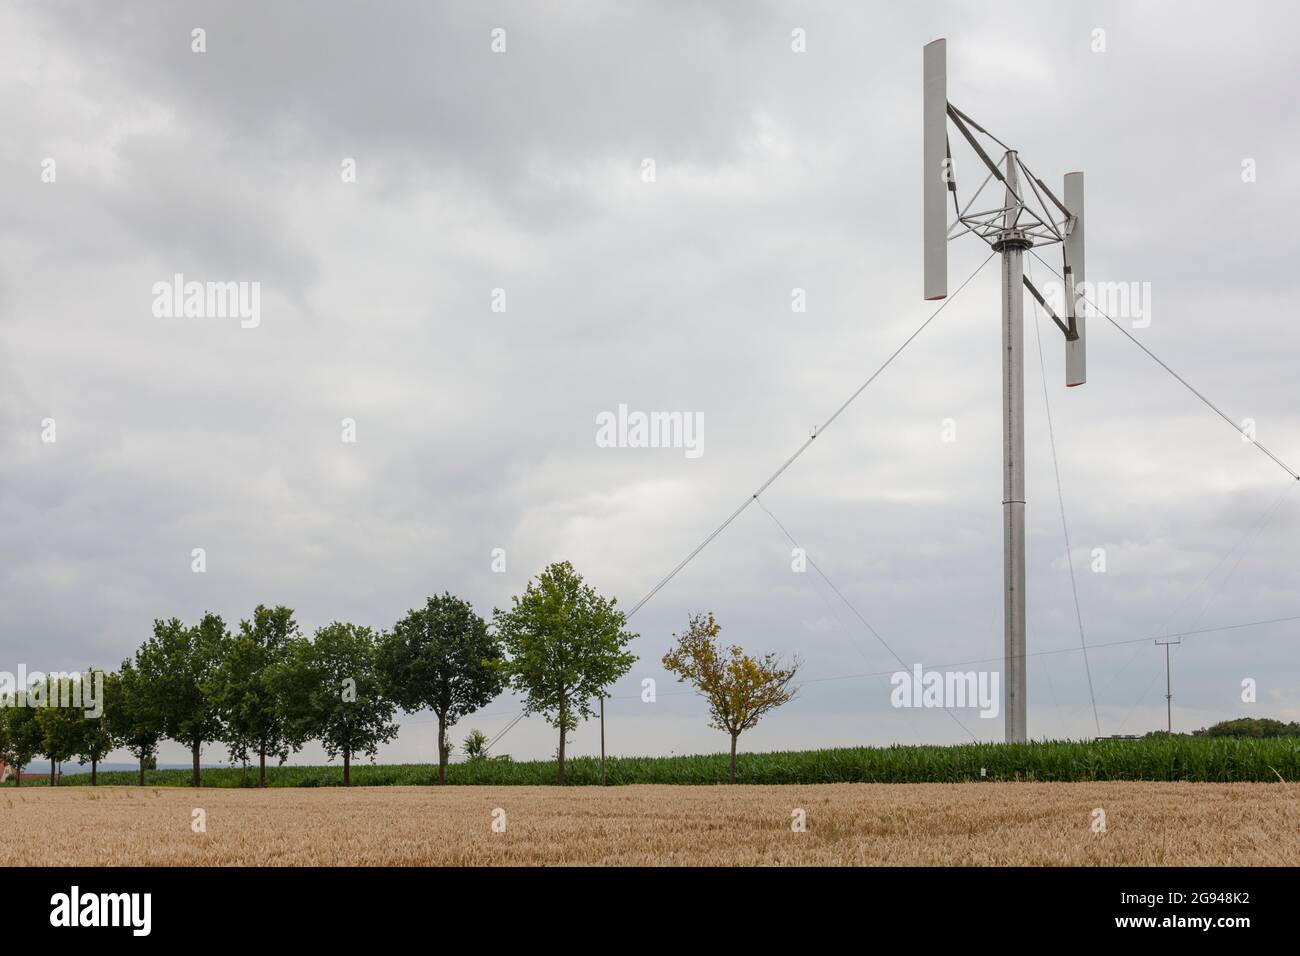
x: 142, y: 770
x: 442, y: 748
x: 261, y: 773
x: 347, y: 768
x: 732, y: 777
x: 194, y: 777
x: 18, y: 777
x: 94, y: 773
x: 54, y: 781
x: 562, y: 729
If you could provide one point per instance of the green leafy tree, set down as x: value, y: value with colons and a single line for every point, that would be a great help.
x: 740, y: 689
x: 95, y: 737
x: 23, y: 734
x: 475, y: 745
x: 330, y: 689
x: 566, y: 644
x: 60, y: 723
x: 1259, y: 727
x: 133, y: 711
x: 181, y: 663
x: 442, y: 657
x: 8, y: 757
x: 251, y: 720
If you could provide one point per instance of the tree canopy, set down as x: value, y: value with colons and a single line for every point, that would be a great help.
x: 442, y: 657
x: 181, y: 665
x: 565, y: 644
x: 740, y: 689
x: 331, y: 690
x: 252, y: 720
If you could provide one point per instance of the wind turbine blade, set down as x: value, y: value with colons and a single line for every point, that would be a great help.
x: 936, y: 168
x: 1076, y: 365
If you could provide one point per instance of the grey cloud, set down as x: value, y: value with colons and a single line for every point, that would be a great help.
x: 476, y: 429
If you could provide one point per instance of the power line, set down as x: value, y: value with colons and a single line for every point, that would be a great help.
x: 984, y: 660
x: 477, y: 715
x: 1071, y: 650
x: 1248, y: 539
x: 1140, y: 701
x: 988, y: 660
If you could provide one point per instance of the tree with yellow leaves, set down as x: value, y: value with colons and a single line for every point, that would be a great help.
x: 740, y: 689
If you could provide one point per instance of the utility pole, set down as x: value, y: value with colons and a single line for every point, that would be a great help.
x: 602, y: 740
x: 1169, y: 687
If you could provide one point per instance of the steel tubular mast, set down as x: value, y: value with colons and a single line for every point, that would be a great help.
x: 1026, y: 218
x: 1011, y: 244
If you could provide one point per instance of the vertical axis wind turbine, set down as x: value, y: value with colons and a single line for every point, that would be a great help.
x: 1022, y: 220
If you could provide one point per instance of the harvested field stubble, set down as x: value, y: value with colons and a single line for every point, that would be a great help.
x: 874, y: 824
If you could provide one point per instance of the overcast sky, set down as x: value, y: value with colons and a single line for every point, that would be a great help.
x: 522, y: 171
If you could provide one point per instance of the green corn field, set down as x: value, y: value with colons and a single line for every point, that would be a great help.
x: 1191, y: 759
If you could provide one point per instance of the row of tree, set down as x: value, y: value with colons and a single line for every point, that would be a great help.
x: 265, y: 690
x: 1253, y: 727
x: 61, y: 732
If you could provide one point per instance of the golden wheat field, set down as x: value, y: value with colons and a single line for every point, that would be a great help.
x: 1246, y: 824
